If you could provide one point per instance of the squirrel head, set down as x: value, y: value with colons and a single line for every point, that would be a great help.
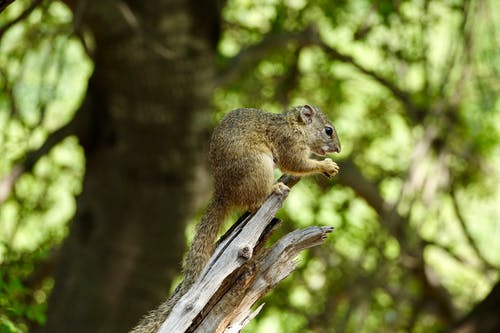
x: 321, y: 136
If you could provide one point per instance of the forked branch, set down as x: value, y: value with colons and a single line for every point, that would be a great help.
x: 241, y: 271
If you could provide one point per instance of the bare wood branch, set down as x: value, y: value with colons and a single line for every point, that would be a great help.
x: 268, y: 271
x: 233, y: 252
x: 241, y: 271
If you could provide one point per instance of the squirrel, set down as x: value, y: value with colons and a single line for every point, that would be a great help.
x: 244, y: 148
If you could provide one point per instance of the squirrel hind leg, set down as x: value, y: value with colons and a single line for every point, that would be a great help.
x: 278, y: 188
x: 248, y: 181
x: 255, y: 197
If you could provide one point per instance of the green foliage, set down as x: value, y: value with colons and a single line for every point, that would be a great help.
x: 42, y: 79
x: 412, y: 87
x: 23, y: 290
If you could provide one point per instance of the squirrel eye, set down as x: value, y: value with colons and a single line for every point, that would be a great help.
x: 328, y: 130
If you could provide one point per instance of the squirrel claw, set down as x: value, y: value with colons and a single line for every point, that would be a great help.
x: 280, y: 188
x: 332, y: 168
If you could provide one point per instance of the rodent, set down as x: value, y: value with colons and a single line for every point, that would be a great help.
x: 244, y: 148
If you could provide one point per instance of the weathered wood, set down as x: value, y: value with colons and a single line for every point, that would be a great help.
x: 265, y: 271
x: 241, y: 271
x: 229, y: 255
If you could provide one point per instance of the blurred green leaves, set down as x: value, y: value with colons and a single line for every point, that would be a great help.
x: 412, y: 88
x: 43, y: 73
x: 23, y: 289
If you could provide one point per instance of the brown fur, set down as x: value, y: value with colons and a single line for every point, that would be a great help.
x: 245, y: 147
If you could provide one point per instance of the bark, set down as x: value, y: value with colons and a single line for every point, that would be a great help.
x: 147, y: 110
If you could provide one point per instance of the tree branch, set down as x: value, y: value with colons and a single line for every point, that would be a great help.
x: 247, y: 58
x: 239, y: 273
x: 467, y: 234
x: 231, y: 253
x: 413, y: 110
x: 22, y: 16
x: 4, y: 4
x: 352, y: 177
x: 26, y: 164
x: 398, y: 226
x: 257, y: 278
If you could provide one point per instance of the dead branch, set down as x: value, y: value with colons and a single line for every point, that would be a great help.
x: 241, y: 271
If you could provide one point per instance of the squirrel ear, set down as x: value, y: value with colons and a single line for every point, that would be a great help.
x: 307, y: 113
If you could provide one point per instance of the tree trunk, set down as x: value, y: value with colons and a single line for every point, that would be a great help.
x: 147, y: 106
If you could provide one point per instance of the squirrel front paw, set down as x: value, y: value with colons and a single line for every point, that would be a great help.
x: 330, y: 168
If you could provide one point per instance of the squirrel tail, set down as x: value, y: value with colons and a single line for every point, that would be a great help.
x: 199, y: 253
x: 203, y: 244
